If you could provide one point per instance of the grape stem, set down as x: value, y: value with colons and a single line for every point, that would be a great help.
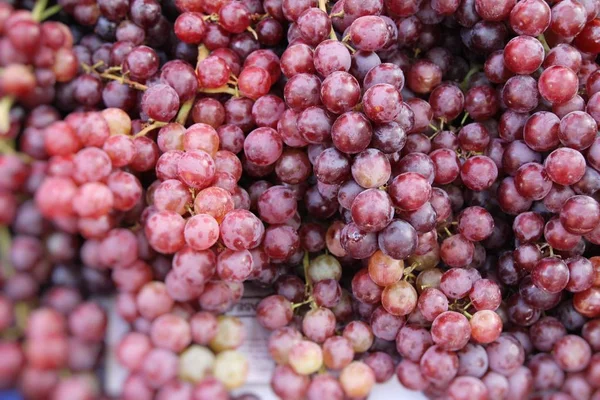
x: 6, y: 103
x: 22, y: 311
x: 337, y: 15
x: 408, y: 271
x: 542, y: 40
x: 6, y: 148
x: 305, y: 302
x: 253, y: 32
x: 465, y: 83
x: 352, y: 49
x: 184, y: 111
x: 5, y: 243
x: 223, y: 89
x: 435, y: 128
x: 38, y: 9
x: 464, y: 119
x: 305, y: 265
x: 124, y: 81
x: 323, y: 7
x: 152, y: 126
x: 41, y: 13
x: 259, y: 17
x: 203, y: 53
x: 211, y: 18
x: 108, y: 74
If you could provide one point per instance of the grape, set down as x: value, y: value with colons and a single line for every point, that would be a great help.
x: 170, y: 332
x: 398, y: 240
x: 432, y: 302
x: 486, y: 326
x: 478, y: 173
x: 457, y: 251
x: 360, y: 336
x: 520, y: 93
x: 505, y: 355
x: 565, y: 166
x: 165, y: 231
x: 572, y: 353
x: 298, y: 86
x: 548, y: 88
x: 231, y: 368
x: 195, y: 362
x: 571, y: 214
x: 573, y: 18
x: 324, y: 385
x: 545, y: 372
x: 305, y: 357
x: 587, y: 303
x: 450, y: 330
x: 384, y: 270
x: 288, y: 384
x: 462, y: 385
x: 439, y: 366
x: 230, y: 334
x: 327, y: 293
x: 203, y: 326
x: 372, y: 210
x: 381, y: 103
x: 409, y: 191
x: 531, y: 17
x: 357, y: 379
x: 354, y: 163
x: 382, y: 365
x: 409, y: 375
x: 337, y: 352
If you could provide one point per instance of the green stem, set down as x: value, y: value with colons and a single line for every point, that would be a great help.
x: 5, y: 147
x: 5, y: 242
x: 253, y: 32
x: 408, y: 271
x: 332, y: 34
x: 184, y: 111
x: 124, y: 81
x: 38, y: 9
x: 150, y: 127
x: 22, y: 311
x: 223, y: 89
x: 305, y: 265
x: 211, y: 18
x: 542, y: 40
x: 5, y: 105
x: 203, y: 53
x: 465, y: 83
x: 50, y: 12
x: 464, y: 119
x: 305, y: 302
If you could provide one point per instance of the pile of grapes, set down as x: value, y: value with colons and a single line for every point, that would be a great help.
x: 413, y: 184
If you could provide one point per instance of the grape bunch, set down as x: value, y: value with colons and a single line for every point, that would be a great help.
x: 412, y: 184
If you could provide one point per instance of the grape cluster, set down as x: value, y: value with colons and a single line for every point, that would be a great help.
x: 413, y: 184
